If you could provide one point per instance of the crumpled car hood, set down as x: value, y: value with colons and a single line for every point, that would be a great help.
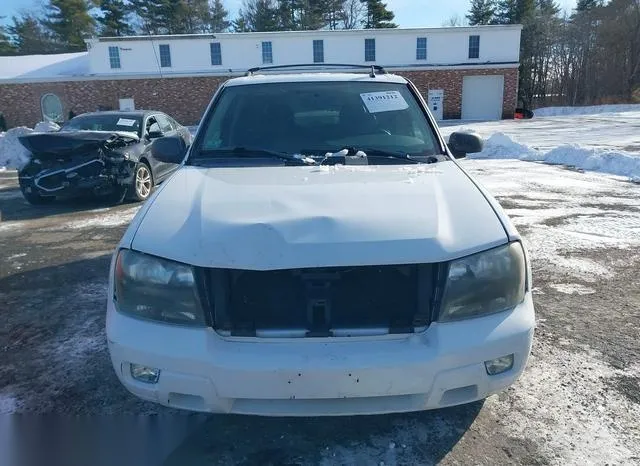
x: 298, y: 217
x: 68, y: 142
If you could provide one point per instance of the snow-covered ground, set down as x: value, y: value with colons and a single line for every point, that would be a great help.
x: 606, y: 142
x: 586, y: 110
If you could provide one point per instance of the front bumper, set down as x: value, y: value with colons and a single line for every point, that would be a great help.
x: 90, y: 174
x: 202, y: 371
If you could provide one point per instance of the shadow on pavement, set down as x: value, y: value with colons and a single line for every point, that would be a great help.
x: 13, y: 207
x: 422, y: 438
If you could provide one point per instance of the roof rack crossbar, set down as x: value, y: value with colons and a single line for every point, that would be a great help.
x: 373, y: 68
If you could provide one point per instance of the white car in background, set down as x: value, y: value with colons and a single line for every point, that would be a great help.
x: 319, y: 252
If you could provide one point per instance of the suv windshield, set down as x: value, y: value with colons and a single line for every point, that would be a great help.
x: 313, y: 118
x: 128, y: 123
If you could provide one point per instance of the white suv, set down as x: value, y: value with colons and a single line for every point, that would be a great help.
x: 319, y: 252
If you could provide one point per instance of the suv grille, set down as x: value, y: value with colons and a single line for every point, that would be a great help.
x: 322, y: 302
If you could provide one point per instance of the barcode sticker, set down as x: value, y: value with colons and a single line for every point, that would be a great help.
x: 125, y: 122
x: 386, y: 101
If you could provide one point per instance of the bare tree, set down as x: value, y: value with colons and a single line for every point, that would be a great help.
x: 456, y: 20
x: 353, y: 13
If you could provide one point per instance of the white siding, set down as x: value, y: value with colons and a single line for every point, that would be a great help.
x: 394, y: 48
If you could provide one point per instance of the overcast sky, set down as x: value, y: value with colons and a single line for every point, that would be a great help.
x: 409, y: 13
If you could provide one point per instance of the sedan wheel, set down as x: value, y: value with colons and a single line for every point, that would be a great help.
x: 143, y: 182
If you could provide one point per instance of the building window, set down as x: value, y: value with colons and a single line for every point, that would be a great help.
x: 318, y: 51
x: 421, y: 48
x: 369, y: 50
x: 216, y: 53
x: 114, y: 57
x: 165, y: 56
x: 267, y: 53
x: 474, y: 46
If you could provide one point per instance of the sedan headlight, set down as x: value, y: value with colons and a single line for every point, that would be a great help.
x: 156, y: 289
x: 484, y: 283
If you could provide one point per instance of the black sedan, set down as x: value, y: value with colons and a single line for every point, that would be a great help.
x: 104, y: 153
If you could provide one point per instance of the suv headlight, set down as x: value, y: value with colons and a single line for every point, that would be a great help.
x: 484, y: 283
x: 156, y: 289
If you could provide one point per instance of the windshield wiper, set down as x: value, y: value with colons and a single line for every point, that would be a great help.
x: 250, y: 152
x: 371, y: 152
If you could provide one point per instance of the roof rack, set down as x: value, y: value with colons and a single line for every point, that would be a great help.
x: 372, y: 74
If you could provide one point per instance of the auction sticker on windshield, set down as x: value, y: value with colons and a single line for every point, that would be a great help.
x: 386, y: 101
x: 126, y: 122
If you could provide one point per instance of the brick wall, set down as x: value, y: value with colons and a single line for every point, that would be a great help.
x: 187, y: 98
x: 451, y: 82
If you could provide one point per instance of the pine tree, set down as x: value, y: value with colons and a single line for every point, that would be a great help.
x: 196, y: 16
x: 28, y: 36
x: 114, y: 20
x: 219, y: 17
x: 377, y: 15
x: 334, y: 12
x: 240, y: 23
x: 6, y: 47
x: 69, y: 22
x: 587, y: 5
x: 150, y: 15
x: 514, y: 11
x: 259, y: 15
x: 481, y: 12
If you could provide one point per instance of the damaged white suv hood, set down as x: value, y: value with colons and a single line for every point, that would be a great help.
x: 296, y: 217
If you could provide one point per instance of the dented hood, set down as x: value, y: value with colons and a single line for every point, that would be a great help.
x: 69, y: 142
x: 296, y: 217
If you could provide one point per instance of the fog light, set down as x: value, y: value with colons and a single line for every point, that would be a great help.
x: 499, y: 365
x: 145, y: 374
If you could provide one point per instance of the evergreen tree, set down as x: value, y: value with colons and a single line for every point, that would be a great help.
x: 150, y: 15
x: 259, y: 15
x: 219, y: 17
x: 240, y: 23
x: 29, y: 37
x: 514, y: 11
x: 377, y: 15
x: 69, y: 22
x: 6, y: 47
x: 194, y: 15
x: 114, y: 20
x: 481, y: 12
x: 334, y: 13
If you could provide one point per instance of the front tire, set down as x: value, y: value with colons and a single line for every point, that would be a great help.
x: 142, y: 182
x: 34, y: 198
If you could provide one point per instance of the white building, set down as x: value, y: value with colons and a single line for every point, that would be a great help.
x: 468, y: 72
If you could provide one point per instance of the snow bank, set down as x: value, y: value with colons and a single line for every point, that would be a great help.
x: 501, y: 146
x: 46, y: 127
x: 591, y: 110
x: 12, y: 153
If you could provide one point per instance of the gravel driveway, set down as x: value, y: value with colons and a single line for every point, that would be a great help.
x: 578, y: 401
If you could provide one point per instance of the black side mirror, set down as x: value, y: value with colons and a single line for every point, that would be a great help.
x: 170, y: 149
x: 154, y: 134
x: 461, y: 144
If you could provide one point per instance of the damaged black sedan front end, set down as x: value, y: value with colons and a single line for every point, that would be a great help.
x: 69, y: 164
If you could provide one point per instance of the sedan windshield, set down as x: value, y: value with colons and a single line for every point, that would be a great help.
x: 312, y: 119
x: 128, y: 123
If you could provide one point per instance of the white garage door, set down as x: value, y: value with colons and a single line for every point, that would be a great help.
x: 482, y: 97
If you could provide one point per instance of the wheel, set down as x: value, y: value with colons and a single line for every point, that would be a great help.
x: 33, y: 197
x: 142, y: 182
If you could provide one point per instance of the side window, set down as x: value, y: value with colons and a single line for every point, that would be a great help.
x: 152, y: 126
x: 165, y: 124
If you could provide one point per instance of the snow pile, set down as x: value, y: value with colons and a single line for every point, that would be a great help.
x: 501, y: 146
x: 46, y: 127
x: 12, y: 153
x: 592, y: 110
x: 615, y: 162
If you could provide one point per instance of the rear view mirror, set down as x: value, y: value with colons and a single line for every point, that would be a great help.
x: 171, y: 149
x: 461, y: 144
x: 154, y: 134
